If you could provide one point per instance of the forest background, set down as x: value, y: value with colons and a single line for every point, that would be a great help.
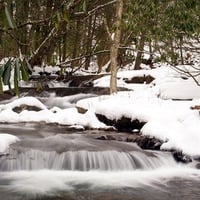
x: 73, y: 33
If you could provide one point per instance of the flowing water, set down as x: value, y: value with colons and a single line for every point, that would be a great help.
x: 52, y: 163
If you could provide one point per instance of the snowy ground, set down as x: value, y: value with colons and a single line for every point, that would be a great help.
x: 165, y: 106
x: 170, y: 120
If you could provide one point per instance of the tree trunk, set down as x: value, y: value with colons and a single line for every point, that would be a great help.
x: 138, y: 60
x: 181, y: 50
x: 115, y: 47
x: 76, y: 44
x: 64, y: 49
x: 89, y: 36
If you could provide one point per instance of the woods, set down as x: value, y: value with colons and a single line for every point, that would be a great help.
x: 74, y: 33
x: 99, y: 99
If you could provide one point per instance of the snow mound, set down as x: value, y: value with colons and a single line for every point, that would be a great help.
x: 30, y: 101
x: 6, y: 140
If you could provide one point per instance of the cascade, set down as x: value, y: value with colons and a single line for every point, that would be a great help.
x: 83, y: 160
x: 44, y: 165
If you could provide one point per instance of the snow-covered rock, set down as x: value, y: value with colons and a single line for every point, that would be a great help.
x: 5, y: 141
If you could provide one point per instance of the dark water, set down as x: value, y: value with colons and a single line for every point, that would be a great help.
x: 36, y: 169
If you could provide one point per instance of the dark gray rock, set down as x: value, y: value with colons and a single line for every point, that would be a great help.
x: 124, y: 124
x: 140, y: 79
x: 19, y: 109
x: 198, y: 166
x: 180, y: 157
x: 106, y: 137
x: 146, y: 142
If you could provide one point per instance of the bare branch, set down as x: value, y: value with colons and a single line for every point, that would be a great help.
x: 107, y: 28
x: 14, y: 38
x: 187, y: 73
x: 82, y: 57
x: 53, y: 31
x: 33, y: 22
x: 101, y: 6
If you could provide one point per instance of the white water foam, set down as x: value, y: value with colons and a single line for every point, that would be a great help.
x: 49, y: 181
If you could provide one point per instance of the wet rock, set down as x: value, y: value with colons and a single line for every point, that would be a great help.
x: 197, y: 158
x: 81, y: 110
x: 140, y: 79
x: 123, y: 124
x: 106, y: 137
x: 82, y: 81
x: 6, y: 96
x: 65, y: 91
x: 19, y: 109
x: 198, y: 166
x: 146, y: 142
x: 180, y: 157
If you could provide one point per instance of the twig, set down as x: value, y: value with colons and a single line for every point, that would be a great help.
x: 189, y: 74
x: 101, y: 6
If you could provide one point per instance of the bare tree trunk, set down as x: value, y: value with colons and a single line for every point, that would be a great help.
x: 115, y: 47
x: 138, y: 60
x: 89, y: 36
x: 181, y: 50
x: 64, y: 49
x: 77, y: 45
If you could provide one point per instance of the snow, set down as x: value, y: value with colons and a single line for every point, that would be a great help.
x: 48, y: 69
x: 164, y: 105
x: 30, y: 101
x: 171, y: 121
x: 6, y: 140
x: 68, y: 116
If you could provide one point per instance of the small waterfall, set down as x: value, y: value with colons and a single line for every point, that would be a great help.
x: 83, y: 160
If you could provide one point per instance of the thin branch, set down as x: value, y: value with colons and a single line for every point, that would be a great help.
x: 82, y: 57
x: 15, y: 38
x: 100, y: 6
x: 195, y: 80
x: 33, y: 22
x: 187, y: 73
x: 53, y: 31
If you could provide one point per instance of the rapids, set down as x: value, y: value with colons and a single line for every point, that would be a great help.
x: 50, y: 163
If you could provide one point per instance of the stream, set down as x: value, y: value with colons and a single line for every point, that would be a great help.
x: 53, y: 163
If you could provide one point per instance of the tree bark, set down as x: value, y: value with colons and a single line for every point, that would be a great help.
x: 138, y: 60
x: 89, y: 36
x: 181, y: 50
x: 115, y: 46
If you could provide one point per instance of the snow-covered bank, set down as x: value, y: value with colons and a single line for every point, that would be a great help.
x: 167, y: 119
x: 172, y: 121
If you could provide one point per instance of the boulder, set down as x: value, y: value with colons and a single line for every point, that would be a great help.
x: 123, y: 124
x: 19, y: 109
x: 181, y: 157
x: 198, y: 166
x: 140, y: 79
x: 146, y: 142
x: 81, y: 110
